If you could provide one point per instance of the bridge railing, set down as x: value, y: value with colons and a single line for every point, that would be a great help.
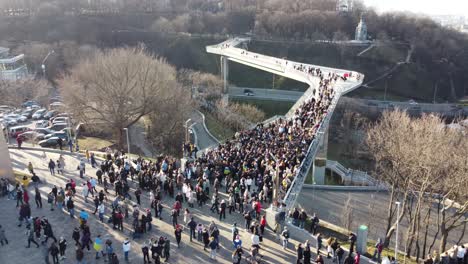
x: 298, y: 181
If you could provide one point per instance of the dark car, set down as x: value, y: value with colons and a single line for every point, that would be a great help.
x: 61, y: 134
x: 49, y: 143
x: 58, y: 126
x: 50, y: 114
x: 44, y: 131
x: 248, y: 92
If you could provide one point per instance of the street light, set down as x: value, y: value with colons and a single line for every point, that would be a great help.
x: 128, y: 141
x: 397, y: 225
x: 386, y: 86
x: 43, y: 62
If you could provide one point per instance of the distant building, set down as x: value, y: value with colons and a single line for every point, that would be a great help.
x: 344, y: 5
x: 12, y: 67
x: 361, y: 30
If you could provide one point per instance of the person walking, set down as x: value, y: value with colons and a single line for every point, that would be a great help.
x: 45, y: 253
x: 339, y: 254
x: 285, y: 236
x: 48, y: 232
x: 222, y: 210
x: 79, y: 255
x: 145, y: 251
x: 192, y: 225
x: 378, y: 250
x: 109, y: 250
x: 50, y: 200
x: 299, y: 253
x: 213, y: 246
x: 71, y: 207
x: 52, y: 167
x: 38, y: 198
x: 30, y: 236
x: 98, y: 246
x: 126, y: 248
x: 54, y: 252
x: 62, y: 247
x: 178, y: 234
x: 3, y: 238
x: 167, y: 249
x: 101, y: 210
x: 307, y: 254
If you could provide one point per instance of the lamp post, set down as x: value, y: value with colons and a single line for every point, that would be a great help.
x: 386, y: 87
x: 397, y: 225
x: 128, y: 141
x: 44, y: 61
x: 186, y: 126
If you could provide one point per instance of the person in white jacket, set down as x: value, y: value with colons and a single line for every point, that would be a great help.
x: 126, y: 248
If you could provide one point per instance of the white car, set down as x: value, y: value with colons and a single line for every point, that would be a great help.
x: 41, y: 124
x: 9, y: 122
x: 39, y: 113
x: 18, y: 118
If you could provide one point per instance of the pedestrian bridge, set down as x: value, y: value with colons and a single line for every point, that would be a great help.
x: 349, y: 81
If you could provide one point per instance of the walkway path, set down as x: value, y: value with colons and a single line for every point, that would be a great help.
x: 63, y: 225
x: 204, y: 139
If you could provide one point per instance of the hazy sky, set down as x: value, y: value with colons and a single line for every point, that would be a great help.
x: 432, y: 7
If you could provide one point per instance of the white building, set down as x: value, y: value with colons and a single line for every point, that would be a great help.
x: 12, y: 68
x: 344, y: 5
x: 361, y: 30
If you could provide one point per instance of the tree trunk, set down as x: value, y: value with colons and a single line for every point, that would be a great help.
x: 392, y: 229
x: 426, y: 221
x: 389, y: 218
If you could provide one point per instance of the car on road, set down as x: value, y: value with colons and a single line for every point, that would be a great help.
x: 49, y: 143
x: 60, y: 134
x: 39, y: 114
x: 32, y: 136
x: 412, y: 102
x: 248, y: 92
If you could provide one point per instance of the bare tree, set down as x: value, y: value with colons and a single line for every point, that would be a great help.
x: 118, y: 87
x: 421, y: 159
x: 15, y: 93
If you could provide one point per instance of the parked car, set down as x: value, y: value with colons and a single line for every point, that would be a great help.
x: 44, y: 131
x: 15, y: 131
x: 248, y: 92
x: 56, y: 105
x: 50, y: 114
x: 41, y: 124
x: 19, y: 118
x: 49, y: 143
x: 32, y: 136
x: 39, y: 114
x: 60, y: 119
x: 63, y: 115
x: 27, y: 113
x: 35, y: 107
x: 58, y: 126
x: 60, y: 134
x: 9, y: 122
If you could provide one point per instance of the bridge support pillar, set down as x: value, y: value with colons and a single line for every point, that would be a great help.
x: 320, y: 162
x: 225, y: 74
x: 6, y: 169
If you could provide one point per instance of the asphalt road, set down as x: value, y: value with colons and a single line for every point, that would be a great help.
x: 266, y: 94
x: 366, y: 207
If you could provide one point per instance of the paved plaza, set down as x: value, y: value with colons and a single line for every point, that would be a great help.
x: 62, y: 224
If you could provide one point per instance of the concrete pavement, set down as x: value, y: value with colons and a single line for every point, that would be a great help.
x: 63, y: 225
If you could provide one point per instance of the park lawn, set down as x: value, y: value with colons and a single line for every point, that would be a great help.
x: 269, y: 107
x: 93, y: 143
x: 217, y: 128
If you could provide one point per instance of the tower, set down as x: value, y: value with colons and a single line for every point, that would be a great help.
x: 344, y: 6
x: 361, y: 30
